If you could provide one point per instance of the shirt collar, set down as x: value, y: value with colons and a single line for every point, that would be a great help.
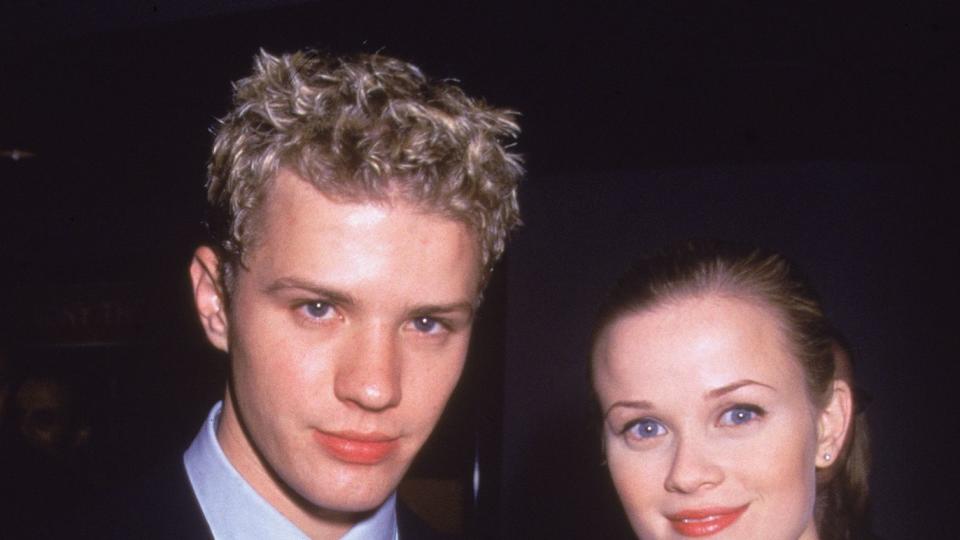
x: 233, y: 509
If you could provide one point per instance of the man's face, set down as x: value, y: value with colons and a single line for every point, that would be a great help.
x: 347, y: 331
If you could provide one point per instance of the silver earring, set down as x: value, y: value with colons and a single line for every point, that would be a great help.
x: 827, y: 456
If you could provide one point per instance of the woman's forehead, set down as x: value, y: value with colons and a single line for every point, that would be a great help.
x: 703, y: 341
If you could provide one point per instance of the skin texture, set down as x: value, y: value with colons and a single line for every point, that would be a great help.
x: 348, y: 317
x: 706, y: 408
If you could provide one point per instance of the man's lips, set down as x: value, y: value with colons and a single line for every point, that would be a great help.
x: 355, y: 447
x: 705, y: 521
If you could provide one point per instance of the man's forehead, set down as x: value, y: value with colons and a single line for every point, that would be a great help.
x: 371, y: 202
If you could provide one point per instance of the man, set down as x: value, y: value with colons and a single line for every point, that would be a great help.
x: 357, y: 210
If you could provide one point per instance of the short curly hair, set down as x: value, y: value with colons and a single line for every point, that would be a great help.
x: 359, y: 128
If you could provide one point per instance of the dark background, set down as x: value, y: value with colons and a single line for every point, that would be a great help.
x: 827, y: 132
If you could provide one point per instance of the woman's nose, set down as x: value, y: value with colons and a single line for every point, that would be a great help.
x: 694, y: 467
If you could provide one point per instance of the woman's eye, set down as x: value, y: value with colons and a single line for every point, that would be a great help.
x: 318, y: 310
x: 739, y: 415
x: 645, y: 428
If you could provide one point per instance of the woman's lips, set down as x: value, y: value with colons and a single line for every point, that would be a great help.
x: 357, y: 448
x: 705, y: 521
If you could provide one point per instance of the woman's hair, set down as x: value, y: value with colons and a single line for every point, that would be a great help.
x: 700, y: 268
x: 843, y: 505
x: 365, y: 128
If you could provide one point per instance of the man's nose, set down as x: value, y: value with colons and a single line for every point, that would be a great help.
x: 368, y: 376
x: 694, y: 467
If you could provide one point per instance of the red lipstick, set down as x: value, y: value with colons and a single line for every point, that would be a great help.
x: 705, y: 521
x: 357, y: 448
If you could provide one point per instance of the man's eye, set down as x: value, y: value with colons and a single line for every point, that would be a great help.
x: 318, y: 310
x: 427, y: 325
x: 740, y: 415
x: 644, y: 428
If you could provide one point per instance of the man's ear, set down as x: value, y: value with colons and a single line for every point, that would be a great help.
x: 205, y: 277
x: 834, y: 423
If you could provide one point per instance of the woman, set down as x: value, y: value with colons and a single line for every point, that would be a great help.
x: 714, y: 368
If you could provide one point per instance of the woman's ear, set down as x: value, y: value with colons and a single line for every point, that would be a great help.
x: 833, y: 424
x: 205, y: 277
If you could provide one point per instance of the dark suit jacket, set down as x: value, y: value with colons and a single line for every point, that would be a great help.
x: 162, y: 506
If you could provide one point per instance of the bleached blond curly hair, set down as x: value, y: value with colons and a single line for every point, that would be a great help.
x: 362, y: 128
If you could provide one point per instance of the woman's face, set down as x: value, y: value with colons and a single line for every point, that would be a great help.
x: 708, y: 427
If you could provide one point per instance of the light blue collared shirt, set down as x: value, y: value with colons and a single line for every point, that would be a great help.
x: 235, y: 511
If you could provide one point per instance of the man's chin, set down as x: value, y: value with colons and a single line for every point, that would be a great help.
x: 348, y: 507
x: 357, y: 497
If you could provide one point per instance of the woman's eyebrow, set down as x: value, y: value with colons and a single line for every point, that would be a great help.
x: 642, y: 404
x: 723, y: 390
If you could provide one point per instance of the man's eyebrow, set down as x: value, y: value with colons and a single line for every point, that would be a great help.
x: 345, y: 299
x: 723, y: 390
x: 322, y: 292
x: 427, y: 309
x: 641, y: 404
